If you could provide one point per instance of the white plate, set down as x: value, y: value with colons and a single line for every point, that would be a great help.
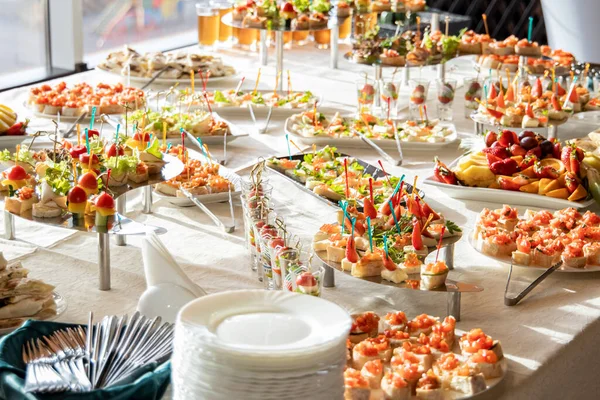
x: 61, y: 306
x: 207, y: 198
x: 500, y: 196
x: 507, y: 260
x: 590, y: 117
x: 234, y: 322
x: 170, y: 81
x: 11, y: 142
x: 383, y: 143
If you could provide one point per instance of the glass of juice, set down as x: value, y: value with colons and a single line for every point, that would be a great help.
x: 246, y: 38
x: 322, y: 38
x: 208, y: 24
x: 300, y: 37
x: 225, y: 31
x: 345, y: 28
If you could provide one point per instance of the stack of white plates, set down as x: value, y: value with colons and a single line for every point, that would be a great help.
x: 258, y: 344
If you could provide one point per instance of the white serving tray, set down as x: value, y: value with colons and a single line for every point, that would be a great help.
x: 500, y: 196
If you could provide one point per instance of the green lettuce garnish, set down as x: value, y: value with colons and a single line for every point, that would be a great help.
x: 6, y: 155
x: 154, y: 149
x: 306, y: 97
x: 122, y: 164
x: 220, y: 97
x: 58, y: 176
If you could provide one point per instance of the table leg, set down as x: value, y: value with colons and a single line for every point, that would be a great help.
x: 333, y: 47
x: 454, y: 304
x: 9, y: 226
x: 104, y: 261
x: 147, y: 199
x: 262, y: 47
x: 279, y: 60
x: 329, y: 277
x: 121, y: 201
x: 449, y: 256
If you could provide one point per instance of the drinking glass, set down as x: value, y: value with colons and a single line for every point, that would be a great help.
x: 345, y: 28
x: 300, y: 37
x: 225, y: 31
x: 446, y: 88
x: 245, y: 38
x: 389, y: 92
x: 263, y: 233
x: 322, y: 38
x: 366, y: 93
x: 208, y: 24
x: 473, y: 93
x: 418, y: 97
x: 304, y: 277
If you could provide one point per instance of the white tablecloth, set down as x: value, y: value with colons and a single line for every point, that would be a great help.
x: 549, y: 339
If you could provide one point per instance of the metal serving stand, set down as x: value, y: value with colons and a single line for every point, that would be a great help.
x: 453, y: 289
x: 120, y: 227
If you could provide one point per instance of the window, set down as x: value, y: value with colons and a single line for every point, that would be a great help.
x: 24, y: 52
x: 109, y: 24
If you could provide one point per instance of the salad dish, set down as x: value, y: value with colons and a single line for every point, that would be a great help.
x: 76, y: 186
x: 322, y: 173
x: 525, y: 166
x: 393, y: 357
x: 48, y: 101
x: 319, y: 129
x: 540, y: 238
x: 208, y: 181
x: 389, y: 242
x: 173, y: 67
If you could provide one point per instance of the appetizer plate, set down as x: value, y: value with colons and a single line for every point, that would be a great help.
x: 508, y: 260
x: 368, y: 169
x: 61, y: 307
x: 64, y: 118
x: 543, y: 130
x: 500, y: 196
x: 413, y: 281
x: 383, y: 143
x: 230, y: 74
x: 211, y: 197
x: 11, y: 141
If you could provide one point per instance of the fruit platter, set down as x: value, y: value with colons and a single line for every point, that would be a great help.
x: 12, y: 129
x: 392, y: 357
x: 540, y: 239
x: 319, y: 129
x: 333, y: 176
x: 528, y: 168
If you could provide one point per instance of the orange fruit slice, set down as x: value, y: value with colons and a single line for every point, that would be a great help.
x: 554, y: 163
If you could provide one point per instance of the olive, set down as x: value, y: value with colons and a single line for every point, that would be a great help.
x: 528, y: 143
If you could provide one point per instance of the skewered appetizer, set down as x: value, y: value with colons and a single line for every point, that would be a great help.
x: 197, y: 177
x: 176, y: 65
x: 231, y: 98
x: 108, y: 99
x: 526, y: 162
x: 417, y: 366
x: 8, y: 122
x: 540, y: 238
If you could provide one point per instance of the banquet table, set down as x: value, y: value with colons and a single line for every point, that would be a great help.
x: 548, y: 339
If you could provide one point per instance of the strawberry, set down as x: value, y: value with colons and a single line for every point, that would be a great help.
x: 546, y: 171
x: 498, y: 151
x: 443, y: 174
x: 351, y: 253
x: 529, y: 111
x: 557, y: 148
x: 571, y: 182
x: 507, y: 183
x: 507, y: 138
x: 528, y: 161
x: 517, y: 150
x: 574, y: 163
x: 492, y: 158
x: 536, y: 151
x: 17, y: 129
x: 505, y: 167
x: 571, y: 157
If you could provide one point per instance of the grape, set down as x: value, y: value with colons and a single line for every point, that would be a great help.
x: 525, y: 134
x: 547, y: 147
x: 528, y: 143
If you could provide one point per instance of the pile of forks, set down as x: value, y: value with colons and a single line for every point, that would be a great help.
x: 117, y: 349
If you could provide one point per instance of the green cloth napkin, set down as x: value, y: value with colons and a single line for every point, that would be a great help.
x: 148, y: 385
